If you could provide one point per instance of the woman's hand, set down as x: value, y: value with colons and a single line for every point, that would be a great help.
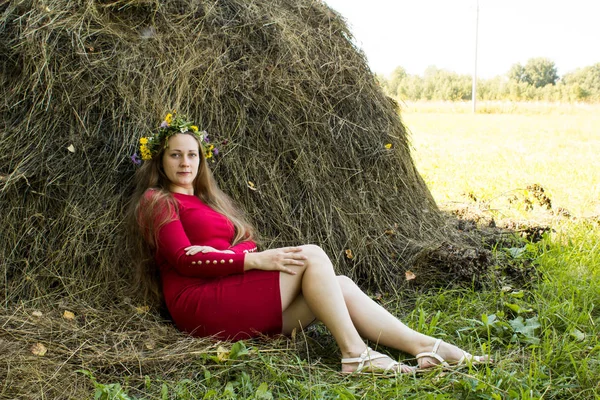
x: 190, y: 251
x: 276, y: 260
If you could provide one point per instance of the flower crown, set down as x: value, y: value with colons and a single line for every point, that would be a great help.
x: 172, y: 125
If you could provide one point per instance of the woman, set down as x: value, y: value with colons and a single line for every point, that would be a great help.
x: 207, y: 269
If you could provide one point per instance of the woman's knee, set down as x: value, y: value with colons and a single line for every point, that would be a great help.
x: 346, y: 284
x: 315, y: 254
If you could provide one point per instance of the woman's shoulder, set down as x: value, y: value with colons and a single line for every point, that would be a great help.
x: 155, y: 197
x: 159, y: 203
x: 163, y: 198
x: 152, y: 195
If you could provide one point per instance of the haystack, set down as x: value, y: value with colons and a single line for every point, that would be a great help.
x: 309, y: 145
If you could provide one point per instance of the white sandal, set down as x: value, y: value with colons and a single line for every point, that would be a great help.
x: 466, y: 359
x: 365, y: 365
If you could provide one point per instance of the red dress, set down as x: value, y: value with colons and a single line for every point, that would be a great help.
x: 210, y: 294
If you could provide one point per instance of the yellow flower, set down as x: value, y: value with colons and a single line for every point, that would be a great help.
x: 208, y: 155
x: 146, y: 154
x: 388, y: 146
x: 194, y: 128
x: 169, y: 118
x: 144, y: 140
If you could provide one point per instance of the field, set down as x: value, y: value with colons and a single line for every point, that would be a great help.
x: 544, y: 336
x: 495, y: 156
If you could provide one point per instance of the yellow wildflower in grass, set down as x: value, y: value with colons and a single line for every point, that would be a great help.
x: 144, y: 140
x: 388, y: 146
x: 194, y: 128
x: 169, y: 118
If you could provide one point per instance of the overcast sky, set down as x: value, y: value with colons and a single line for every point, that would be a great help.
x: 415, y: 34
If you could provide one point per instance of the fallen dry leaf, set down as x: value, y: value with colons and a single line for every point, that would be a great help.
x: 150, y: 344
x: 142, y: 309
x: 37, y: 314
x: 251, y: 185
x: 39, y: 349
x: 222, y: 353
x: 71, y: 148
x: 68, y: 315
x: 349, y: 254
x: 409, y: 275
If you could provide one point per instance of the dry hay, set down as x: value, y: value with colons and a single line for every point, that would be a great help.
x: 111, y: 343
x: 299, y: 119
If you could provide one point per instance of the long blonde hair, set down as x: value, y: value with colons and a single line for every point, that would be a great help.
x: 147, y: 214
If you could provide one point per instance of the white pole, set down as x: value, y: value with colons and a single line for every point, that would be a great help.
x: 474, y: 85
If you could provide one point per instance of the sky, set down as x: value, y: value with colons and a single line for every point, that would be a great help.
x: 415, y: 34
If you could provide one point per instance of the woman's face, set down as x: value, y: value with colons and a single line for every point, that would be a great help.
x: 180, y: 163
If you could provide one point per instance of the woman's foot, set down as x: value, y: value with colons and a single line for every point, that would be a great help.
x: 373, y: 362
x: 447, y: 355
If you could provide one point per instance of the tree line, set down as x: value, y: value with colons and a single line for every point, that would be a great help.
x: 536, y: 80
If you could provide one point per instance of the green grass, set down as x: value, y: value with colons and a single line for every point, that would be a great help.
x: 544, y: 336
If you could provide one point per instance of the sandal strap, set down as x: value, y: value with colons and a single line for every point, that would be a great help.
x: 433, y: 353
x: 367, y: 355
x: 366, y: 358
x: 391, y: 365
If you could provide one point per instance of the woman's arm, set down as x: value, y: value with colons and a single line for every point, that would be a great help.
x: 247, y: 246
x: 281, y: 259
x: 172, y: 243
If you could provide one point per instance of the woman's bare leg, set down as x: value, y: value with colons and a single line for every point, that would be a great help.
x: 375, y: 323
x: 368, y: 318
x: 297, y: 315
x: 317, y: 285
x: 314, y: 292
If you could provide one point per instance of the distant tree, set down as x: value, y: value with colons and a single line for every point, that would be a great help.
x: 411, y: 88
x: 584, y: 83
x: 537, y: 80
x: 382, y: 81
x: 541, y: 72
x: 431, y: 71
x: 396, y: 78
x: 517, y: 73
x: 538, y: 72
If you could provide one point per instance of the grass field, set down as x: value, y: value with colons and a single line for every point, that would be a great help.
x: 544, y: 336
x: 495, y: 156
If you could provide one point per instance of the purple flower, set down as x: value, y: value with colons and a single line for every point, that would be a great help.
x: 206, y: 138
x: 216, y: 151
x: 164, y: 124
x: 135, y: 159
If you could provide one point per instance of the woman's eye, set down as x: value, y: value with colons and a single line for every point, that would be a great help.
x: 193, y: 155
